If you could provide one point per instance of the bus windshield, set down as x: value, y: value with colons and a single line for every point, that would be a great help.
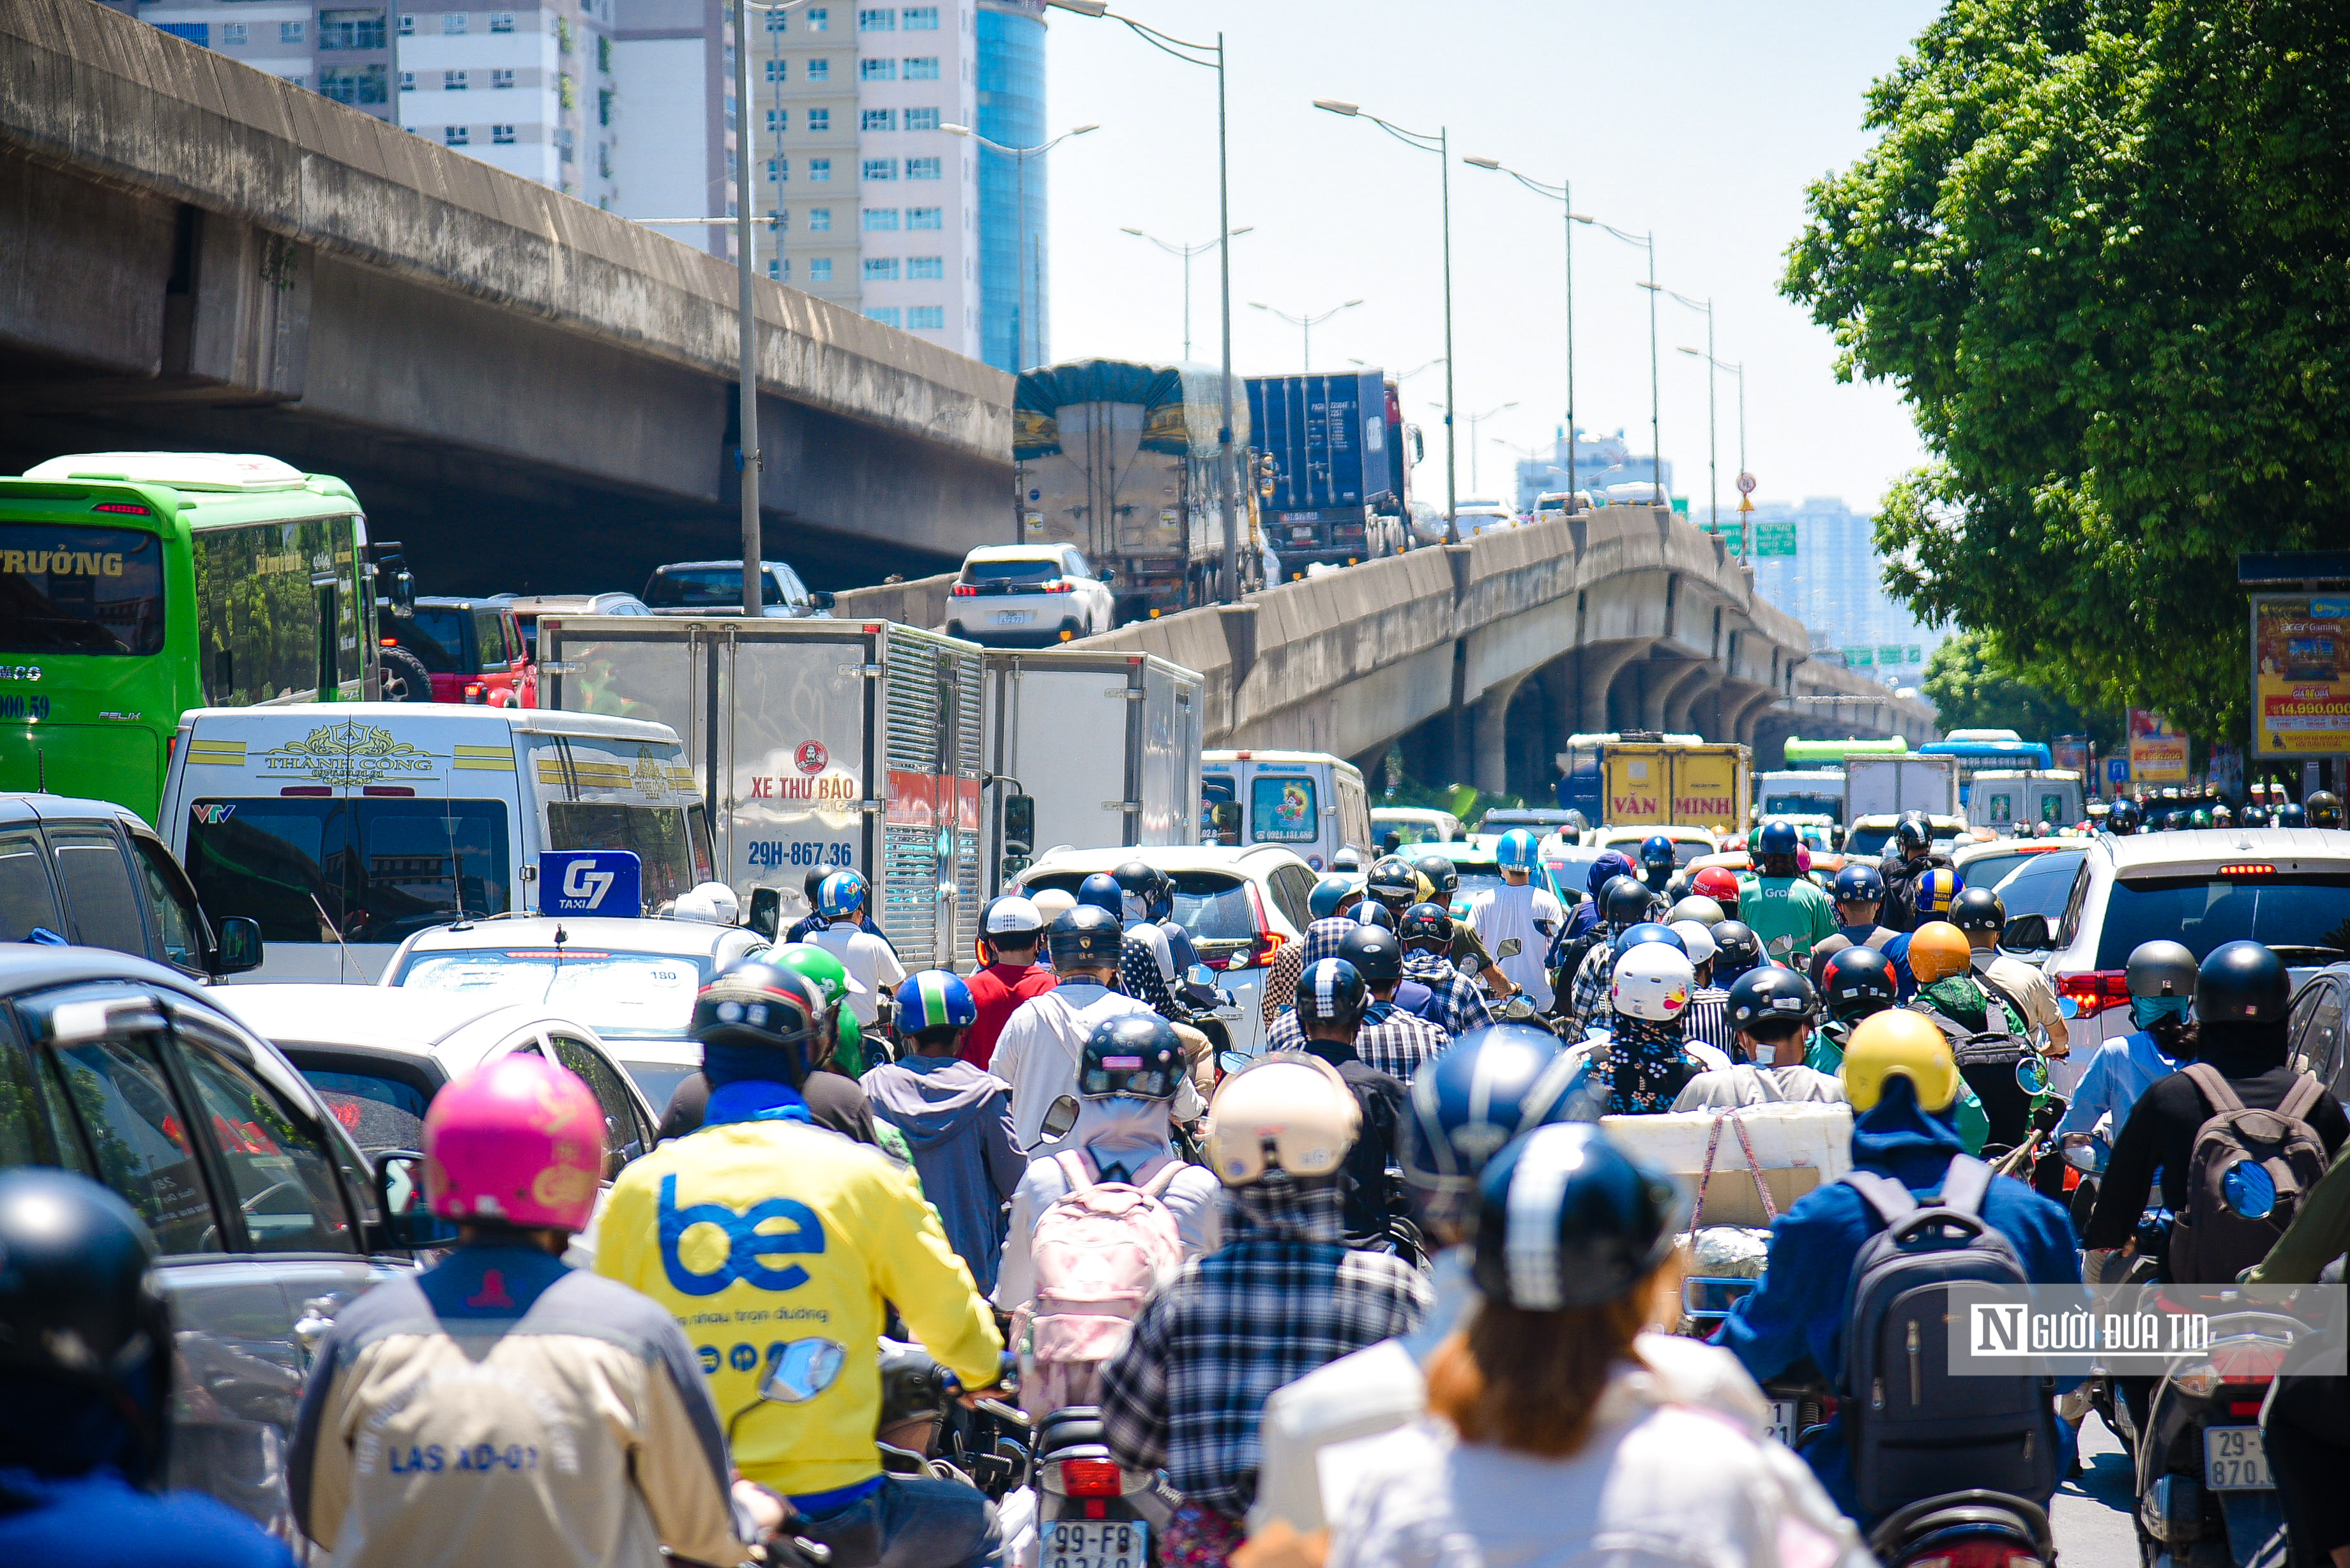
x: 69, y: 590
x: 310, y: 868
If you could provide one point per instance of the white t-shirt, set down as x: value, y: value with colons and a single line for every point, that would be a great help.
x: 1041, y: 1046
x: 1500, y: 913
x: 870, y: 963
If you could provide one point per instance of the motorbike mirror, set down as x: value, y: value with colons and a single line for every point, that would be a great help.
x: 2082, y: 1153
x: 1224, y: 817
x: 2249, y: 1190
x: 1060, y: 1116
x: 408, y: 1222
x: 1510, y: 947
x: 1019, y: 823
x: 1201, y: 975
x: 766, y: 911
x: 2031, y: 1076
x: 1232, y: 1060
x: 2068, y: 1007
x: 803, y: 1369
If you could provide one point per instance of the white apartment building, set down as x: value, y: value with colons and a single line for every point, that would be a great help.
x: 342, y: 51
x: 529, y: 88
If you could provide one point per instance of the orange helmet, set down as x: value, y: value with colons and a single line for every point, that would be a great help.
x: 1938, y: 950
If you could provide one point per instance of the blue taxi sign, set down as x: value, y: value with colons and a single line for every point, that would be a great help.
x: 590, y: 882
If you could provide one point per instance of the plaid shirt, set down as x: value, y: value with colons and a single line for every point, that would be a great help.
x: 1393, y: 1040
x: 1279, y: 1299
x: 1587, y: 1002
x: 1707, y: 1018
x: 1459, y: 1005
x: 1322, y: 940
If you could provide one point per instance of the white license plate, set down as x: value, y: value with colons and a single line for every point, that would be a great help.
x: 1083, y: 1543
x: 1014, y: 618
x: 1784, y: 1414
x: 2233, y: 1460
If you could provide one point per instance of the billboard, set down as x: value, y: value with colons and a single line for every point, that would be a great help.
x: 2070, y: 752
x: 2157, y: 753
x: 2301, y: 694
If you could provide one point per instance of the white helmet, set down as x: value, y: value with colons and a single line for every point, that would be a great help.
x: 1052, y: 903
x: 711, y: 901
x: 1651, y: 980
x: 1697, y: 937
x: 1287, y: 1111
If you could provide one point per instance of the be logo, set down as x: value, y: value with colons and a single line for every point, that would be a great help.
x: 706, y: 1247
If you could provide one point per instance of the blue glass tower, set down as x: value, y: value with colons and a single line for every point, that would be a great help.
x: 1011, y: 317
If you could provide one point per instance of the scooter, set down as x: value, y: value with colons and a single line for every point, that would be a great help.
x: 2206, y: 1498
x: 1091, y: 1513
x: 1975, y: 1528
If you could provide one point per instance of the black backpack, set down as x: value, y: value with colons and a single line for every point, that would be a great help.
x: 1915, y: 1431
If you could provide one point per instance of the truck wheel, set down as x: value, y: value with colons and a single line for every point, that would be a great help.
x: 405, y: 678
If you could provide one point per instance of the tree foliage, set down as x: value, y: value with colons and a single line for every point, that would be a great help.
x: 1971, y: 689
x: 2103, y: 246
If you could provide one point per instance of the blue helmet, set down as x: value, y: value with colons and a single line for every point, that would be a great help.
x: 1495, y: 1082
x: 1566, y: 1219
x: 1648, y: 932
x: 1329, y: 895
x: 1102, y: 891
x: 1858, y: 884
x: 1778, y: 838
x: 839, y: 893
x: 935, y: 999
x: 1656, y: 850
x: 1518, y: 849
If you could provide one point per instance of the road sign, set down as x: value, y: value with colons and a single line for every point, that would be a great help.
x: 590, y: 882
x: 1746, y: 503
x: 1775, y: 539
x: 1745, y: 484
x: 2117, y: 770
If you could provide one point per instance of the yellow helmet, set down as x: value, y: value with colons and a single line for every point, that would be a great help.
x: 1938, y: 950
x: 1904, y: 1044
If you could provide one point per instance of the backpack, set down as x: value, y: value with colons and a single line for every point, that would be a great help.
x: 1915, y: 1431
x: 2211, y: 1243
x: 1100, y: 1251
x: 1994, y: 1045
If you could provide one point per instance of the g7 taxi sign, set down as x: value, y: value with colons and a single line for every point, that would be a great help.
x: 590, y: 882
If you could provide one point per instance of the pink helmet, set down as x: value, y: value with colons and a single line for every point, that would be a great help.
x: 520, y: 1141
x: 1803, y: 859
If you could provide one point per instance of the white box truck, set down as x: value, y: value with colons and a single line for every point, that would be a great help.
x: 1103, y: 746
x: 2002, y: 798
x: 1889, y: 786
x: 815, y: 744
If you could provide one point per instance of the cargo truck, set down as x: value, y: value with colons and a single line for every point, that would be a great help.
x: 1122, y: 461
x: 1329, y: 452
x: 1643, y: 777
x: 1801, y: 792
x: 2002, y: 797
x: 1889, y: 786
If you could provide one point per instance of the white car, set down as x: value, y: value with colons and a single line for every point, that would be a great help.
x: 633, y: 981
x: 1239, y: 905
x: 1415, y: 824
x: 1029, y: 595
x: 1482, y: 516
x: 715, y: 588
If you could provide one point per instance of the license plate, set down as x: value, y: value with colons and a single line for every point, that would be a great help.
x: 1014, y: 618
x: 2233, y: 1460
x: 1784, y: 1414
x: 1301, y: 535
x: 1085, y: 1543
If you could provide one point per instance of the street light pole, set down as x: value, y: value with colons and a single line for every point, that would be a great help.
x: 1563, y: 194
x: 1306, y: 324
x: 1020, y: 157
x: 1475, y: 420
x: 1745, y: 518
x: 1187, y: 253
x: 1712, y: 444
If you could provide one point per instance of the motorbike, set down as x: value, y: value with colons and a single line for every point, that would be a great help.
x: 1091, y: 1513
x: 2206, y: 1498
x: 925, y: 1431
x: 1975, y: 1528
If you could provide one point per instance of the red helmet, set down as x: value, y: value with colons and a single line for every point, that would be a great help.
x: 520, y: 1141
x: 1719, y: 883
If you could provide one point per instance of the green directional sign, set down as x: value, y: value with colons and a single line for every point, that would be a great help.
x: 1733, y: 537
x: 1916, y: 654
x: 1890, y: 654
x: 1859, y: 658
x: 1775, y: 539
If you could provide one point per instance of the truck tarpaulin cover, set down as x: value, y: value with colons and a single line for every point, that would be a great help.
x: 1182, y: 408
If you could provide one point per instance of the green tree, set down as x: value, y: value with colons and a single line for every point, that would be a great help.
x: 1971, y: 688
x: 2103, y: 246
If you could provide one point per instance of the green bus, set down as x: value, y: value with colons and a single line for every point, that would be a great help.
x: 137, y: 585
x: 1832, y: 753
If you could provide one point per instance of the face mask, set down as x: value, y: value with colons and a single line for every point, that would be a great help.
x: 2149, y: 1011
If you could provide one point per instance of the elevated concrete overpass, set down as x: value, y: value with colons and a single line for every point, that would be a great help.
x: 531, y: 393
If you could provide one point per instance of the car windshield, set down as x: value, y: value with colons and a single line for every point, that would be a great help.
x: 2305, y: 915
x: 2040, y: 886
x: 1987, y: 870
x: 378, y: 1110
x: 1792, y: 803
x: 621, y: 995
x: 68, y: 590
x: 314, y: 869
x: 1036, y: 571
x: 1867, y: 841
x: 695, y: 587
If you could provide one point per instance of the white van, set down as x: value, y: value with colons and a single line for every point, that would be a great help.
x: 1310, y: 801
x: 345, y: 827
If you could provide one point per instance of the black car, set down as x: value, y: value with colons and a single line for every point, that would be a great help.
x: 93, y: 873
x: 2314, y: 1027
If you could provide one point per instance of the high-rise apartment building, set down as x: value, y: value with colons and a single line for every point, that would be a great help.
x: 675, y: 154
x: 1601, y: 462
x: 528, y: 88
x: 1834, y: 585
x: 1013, y: 259
x: 343, y: 51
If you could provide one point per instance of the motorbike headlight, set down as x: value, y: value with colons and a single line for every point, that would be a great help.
x: 2200, y: 1382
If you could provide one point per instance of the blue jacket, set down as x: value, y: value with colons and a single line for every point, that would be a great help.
x: 1798, y: 1312
x: 1604, y: 870
x: 97, y: 1520
x: 2118, y: 1074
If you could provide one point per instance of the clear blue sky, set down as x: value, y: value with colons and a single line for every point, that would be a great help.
x: 1701, y: 119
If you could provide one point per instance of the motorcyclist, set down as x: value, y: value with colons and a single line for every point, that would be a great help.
x: 871, y: 961
x: 1646, y: 1058
x: 1861, y: 984
x: 1141, y: 968
x: 1908, y: 857
x: 1467, y: 953
x: 86, y: 1393
x: 1520, y: 910
x: 1010, y: 932
x: 1697, y: 906
x: 835, y: 1097
x: 1282, y: 1296
x: 1328, y: 906
x: 2160, y: 976
x: 2255, y: 815
x: 1901, y: 1076
x: 776, y: 1228
x: 1657, y: 865
x: 1707, y: 1017
x: 1719, y: 883
x: 500, y: 1406
x: 1586, y: 915
x: 1564, y: 1433
x: 1625, y: 902
x: 1985, y: 1029
x: 1392, y: 1038
x: 2293, y: 814
x: 1370, y: 912
x: 1736, y: 950
x: 1857, y: 892
x: 2323, y: 808
x: 1454, y: 1003
x: 2122, y: 818
x: 1982, y: 915
x: 1784, y: 907
x: 811, y: 888
x: 1770, y: 1009
x: 1331, y: 1001
x: 1148, y: 898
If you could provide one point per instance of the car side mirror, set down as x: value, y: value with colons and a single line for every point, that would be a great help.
x: 1019, y: 823
x: 766, y: 911
x: 822, y: 598
x: 1106, y: 576
x: 1224, y: 817
x: 402, y: 592
x: 408, y: 1221
x: 236, y: 945
x: 2026, y: 933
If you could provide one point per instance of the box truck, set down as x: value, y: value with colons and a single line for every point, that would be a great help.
x: 2002, y: 797
x: 1643, y: 777
x: 1325, y: 448
x: 1889, y: 786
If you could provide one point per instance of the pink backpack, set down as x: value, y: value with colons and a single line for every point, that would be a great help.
x: 1100, y: 1251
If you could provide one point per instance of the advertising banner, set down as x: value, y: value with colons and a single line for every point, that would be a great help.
x: 2301, y: 695
x: 2070, y: 752
x: 2157, y: 753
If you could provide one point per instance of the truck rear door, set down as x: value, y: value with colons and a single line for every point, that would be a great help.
x: 1638, y: 787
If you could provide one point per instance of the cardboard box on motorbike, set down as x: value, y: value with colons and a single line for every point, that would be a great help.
x: 1799, y: 1145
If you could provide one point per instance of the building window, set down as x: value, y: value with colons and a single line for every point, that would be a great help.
x: 820, y: 269
x: 879, y: 119
x: 500, y: 77
x: 919, y: 18
x: 354, y: 84
x: 407, y: 23
x: 924, y: 69
x: 921, y: 120
x: 887, y: 314
x: 294, y: 81
x: 921, y: 168
x: 925, y: 318
x: 604, y: 159
x: 563, y: 146
x: 819, y: 119
x: 873, y: 70
x: 777, y: 72
x: 880, y: 269
x: 289, y: 31
x: 603, y: 106
x: 604, y: 53
x: 820, y: 21
x: 819, y: 169
x: 566, y: 92
x: 820, y: 70
x: 452, y: 81
x: 455, y: 21
x: 729, y: 111
x: 877, y: 21
x: 456, y: 135
x: 919, y: 268
x: 881, y: 168
x: 408, y: 81
x: 503, y: 135
x: 197, y: 33
x: 778, y: 121
x: 775, y: 22
x: 925, y: 217
x: 502, y: 21
x: 881, y: 220
x: 351, y: 30
x: 232, y: 34
x: 779, y: 268
x: 819, y: 219
x: 778, y: 171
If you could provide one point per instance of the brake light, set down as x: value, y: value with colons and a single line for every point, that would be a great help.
x: 1089, y: 1477
x: 2247, y: 868
x: 1060, y: 587
x: 473, y: 694
x: 963, y: 591
x: 125, y: 508
x: 1990, y: 1550
x: 2253, y: 1359
x: 1260, y: 951
x: 2094, y: 990
x: 307, y: 789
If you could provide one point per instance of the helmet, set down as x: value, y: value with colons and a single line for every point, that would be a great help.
x: 934, y: 999
x: 1643, y: 932
x: 1938, y: 950
x: 2254, y: 815
x: 1777, y: 837
x: 1443, y: 877
x: 1493, y: 1084
x: 2160, y: 968
x: 1755, y: 839
x: 1656, y: 850
x: 78, y: 1304
x: 2221, y: 816
x: 1858, y: 982
x: 2323, y: 808
x: 2292, y: 814
x: 1516, y: 850
x: 1625, y: 901
x: 1899, y: 1043
x: 1857, y: 883
x: 764, y: 1005
x: 1736, y: 950
x: 519, y: 1141
x: 1133, y: 1053
x: 1652, y: 982
x: 1428, y: 923
x: 1803, y: 857
x: 2199, y: 817
x: 1370, y: 912
x: 712, y: 902
x: 820, y: 969
x: 1329, y: 895
x: 1913, y: 834
x: 1934, y: 890
x: 839, y: 893
x: 1696, y: 909
x: 1376, y: 953
x: 1087, y: 937
x: 1331, y: 990
x: 2241, y: 983
x: 1012, y: 916
x: 1566, y: 1219
x: 2122, y: 817
x: 1696, y: 939
x: 1719, y: 883
x: 1769, y: 992
x: 1152, y: 888
x: 1052, y: 903
x: 1101, y: 890
x: 1978, y: 909
x: 1287, y: 1111
x: 1393, y: 881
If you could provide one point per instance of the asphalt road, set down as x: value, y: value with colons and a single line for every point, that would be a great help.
x: 2091, y: 1512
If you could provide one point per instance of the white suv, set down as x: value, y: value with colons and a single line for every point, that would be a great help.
x: 1029, y: 595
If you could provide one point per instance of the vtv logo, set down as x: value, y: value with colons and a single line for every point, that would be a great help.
x: 583, y: 882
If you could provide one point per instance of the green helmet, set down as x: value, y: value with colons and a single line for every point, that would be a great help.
x: 832, y: 981
x: 2200, y: 818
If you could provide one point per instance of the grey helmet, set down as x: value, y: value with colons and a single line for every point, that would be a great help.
x: 2161, y: 969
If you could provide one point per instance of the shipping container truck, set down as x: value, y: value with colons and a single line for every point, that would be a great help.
x: 814, y: 744
x: 2002, y: 797
x: 1121, y: 459
x: 1330, y: 451
x: 1088, y: 750
x: 1878, y: 787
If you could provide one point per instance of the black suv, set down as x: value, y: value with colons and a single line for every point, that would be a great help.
x: 93, y: 873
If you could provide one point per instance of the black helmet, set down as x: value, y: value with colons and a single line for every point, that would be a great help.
x: 2241, y: 983
x: 2255, y: 814
x: 1376, y: 953
x: 2122, y: 817
x: 1858, y: 981
x: 1441, y: 874
x: 2323, y: 808
x: 1625, y: 901
x: 1770, y: 992
x: 1331, y: 990
x: 1370, y: 912
x: 1977, y: 910
x: 1430, y: 924
x: 1736, y: 950
x: 1085, y: 936
x: 766, y: 1006
x: 1393, y: 881
x: 1495, y: 1082
x: 1150, y: 883
x: 1913, y: 833
x: 1133, y: 1053
x: 2160, y: 968
x: 78, y: 1306
x: 1566, y: 1219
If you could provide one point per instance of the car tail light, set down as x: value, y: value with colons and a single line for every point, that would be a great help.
x: 1089, y: 1477
x: 473, y: 694
x: 1060, y: 587
x: 964, y: 591
x: 1260, y: 952
x: 123, y: 508
x: 2094, y: 990
x: 2247, y: 868
x: 1986, y: 1550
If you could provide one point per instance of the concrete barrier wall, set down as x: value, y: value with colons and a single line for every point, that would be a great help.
x: 921, y: 602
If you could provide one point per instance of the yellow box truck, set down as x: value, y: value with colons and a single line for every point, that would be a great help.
x: 1704, y: 785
